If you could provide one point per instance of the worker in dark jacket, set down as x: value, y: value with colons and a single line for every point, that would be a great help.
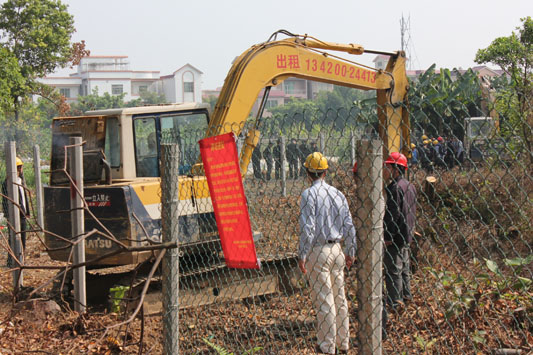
x: 426, y: 156
x: 399, y: 222
x: 24, y: 204
x: 267, y: 155
x: 256, y: 163
x: 276, y: 153
x: 292, y: 159
x: 303, y: 152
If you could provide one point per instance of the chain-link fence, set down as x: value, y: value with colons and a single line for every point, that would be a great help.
x: 470, y: 256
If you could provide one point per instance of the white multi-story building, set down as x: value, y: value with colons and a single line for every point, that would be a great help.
x: 112, y: 74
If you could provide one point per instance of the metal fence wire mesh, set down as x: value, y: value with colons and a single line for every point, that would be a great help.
x: 471, y: 258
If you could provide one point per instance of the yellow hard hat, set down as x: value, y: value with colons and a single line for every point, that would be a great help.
x: 316, y: 162
x: 435, y: 142
x: 19, y: 162
x: 413, y: 146
x: 424, y: 137
x: 426, y: 141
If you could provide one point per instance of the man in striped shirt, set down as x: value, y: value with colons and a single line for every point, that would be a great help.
x: 325, y: 220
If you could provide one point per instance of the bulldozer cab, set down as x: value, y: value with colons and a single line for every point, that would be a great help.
x: 129, y: 140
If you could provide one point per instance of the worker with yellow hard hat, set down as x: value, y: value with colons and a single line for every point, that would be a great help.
x: 415, y: 156
x: 426, y: 155
x: 325, y: 221
x: 24, y: 209
x: 316, y: 162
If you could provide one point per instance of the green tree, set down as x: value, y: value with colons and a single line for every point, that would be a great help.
x: 296, y: 114
x: 344, y: 105
x: 96, y: 102
x: 10, y: 77
x: 147, y: 98
x: 334, y: 108
x: 212, y: 101
x: 439, y: 102
x: 514, y: 54
x: 37, y: 33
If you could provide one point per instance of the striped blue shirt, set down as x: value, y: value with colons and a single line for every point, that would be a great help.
x: 325, y: 215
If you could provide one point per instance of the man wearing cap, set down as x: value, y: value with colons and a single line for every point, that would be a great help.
x: 325, y: 220
x: 414, y: 155
x: 439, y: 152
x: 426, y: 156
x: 398, y: 223
x: 23, y: 203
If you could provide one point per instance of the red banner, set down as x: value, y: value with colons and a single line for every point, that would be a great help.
x: 221, y: 165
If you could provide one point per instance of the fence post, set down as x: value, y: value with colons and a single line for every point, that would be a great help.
x: 283, y: 172
x: 352, y: 147
x: 77, y: 215
x: 170, y: 267
x: 370, y: 245
x: 15, y: 241
x: 322, y: 143
x: 38, y: 185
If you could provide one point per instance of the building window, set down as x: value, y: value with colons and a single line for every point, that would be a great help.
x: 117, y: 89
x: 289, y: 87
x: 65, y: 92
x: 188, y: 87
x: 143, y: 88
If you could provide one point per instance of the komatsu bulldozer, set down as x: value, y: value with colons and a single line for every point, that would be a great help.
x: 121, y: 149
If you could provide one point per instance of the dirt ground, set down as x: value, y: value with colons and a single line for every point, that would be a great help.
x: 458, y: 306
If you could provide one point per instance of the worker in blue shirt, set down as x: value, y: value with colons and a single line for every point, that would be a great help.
x: 325, y: 220
x: 414, y: 155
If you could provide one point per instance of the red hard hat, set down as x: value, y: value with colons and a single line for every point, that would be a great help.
x: 397, y: 158
x: 354, y: 169
x: 440, y: 139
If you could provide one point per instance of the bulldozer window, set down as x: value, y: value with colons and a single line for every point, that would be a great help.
x: 147, y: 160
x: 112, y: 142
x: 185, y: 129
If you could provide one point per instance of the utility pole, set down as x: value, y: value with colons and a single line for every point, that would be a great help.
x: 405, y: 33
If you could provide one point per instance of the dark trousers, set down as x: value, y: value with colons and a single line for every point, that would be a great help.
x: 293, y: 169
x: 269, y: 170
x: 397, y: 274
x: 278, y: 170
x: 257, y: 169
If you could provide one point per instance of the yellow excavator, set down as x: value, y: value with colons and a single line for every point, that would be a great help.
x: 122, y: 146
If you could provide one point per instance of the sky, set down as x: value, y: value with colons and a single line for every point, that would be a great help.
x: 164, y: 35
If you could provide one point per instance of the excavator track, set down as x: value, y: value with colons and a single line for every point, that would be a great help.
x: 201, y: 286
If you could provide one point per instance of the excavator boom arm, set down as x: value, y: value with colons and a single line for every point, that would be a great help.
x: 268, y: 64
